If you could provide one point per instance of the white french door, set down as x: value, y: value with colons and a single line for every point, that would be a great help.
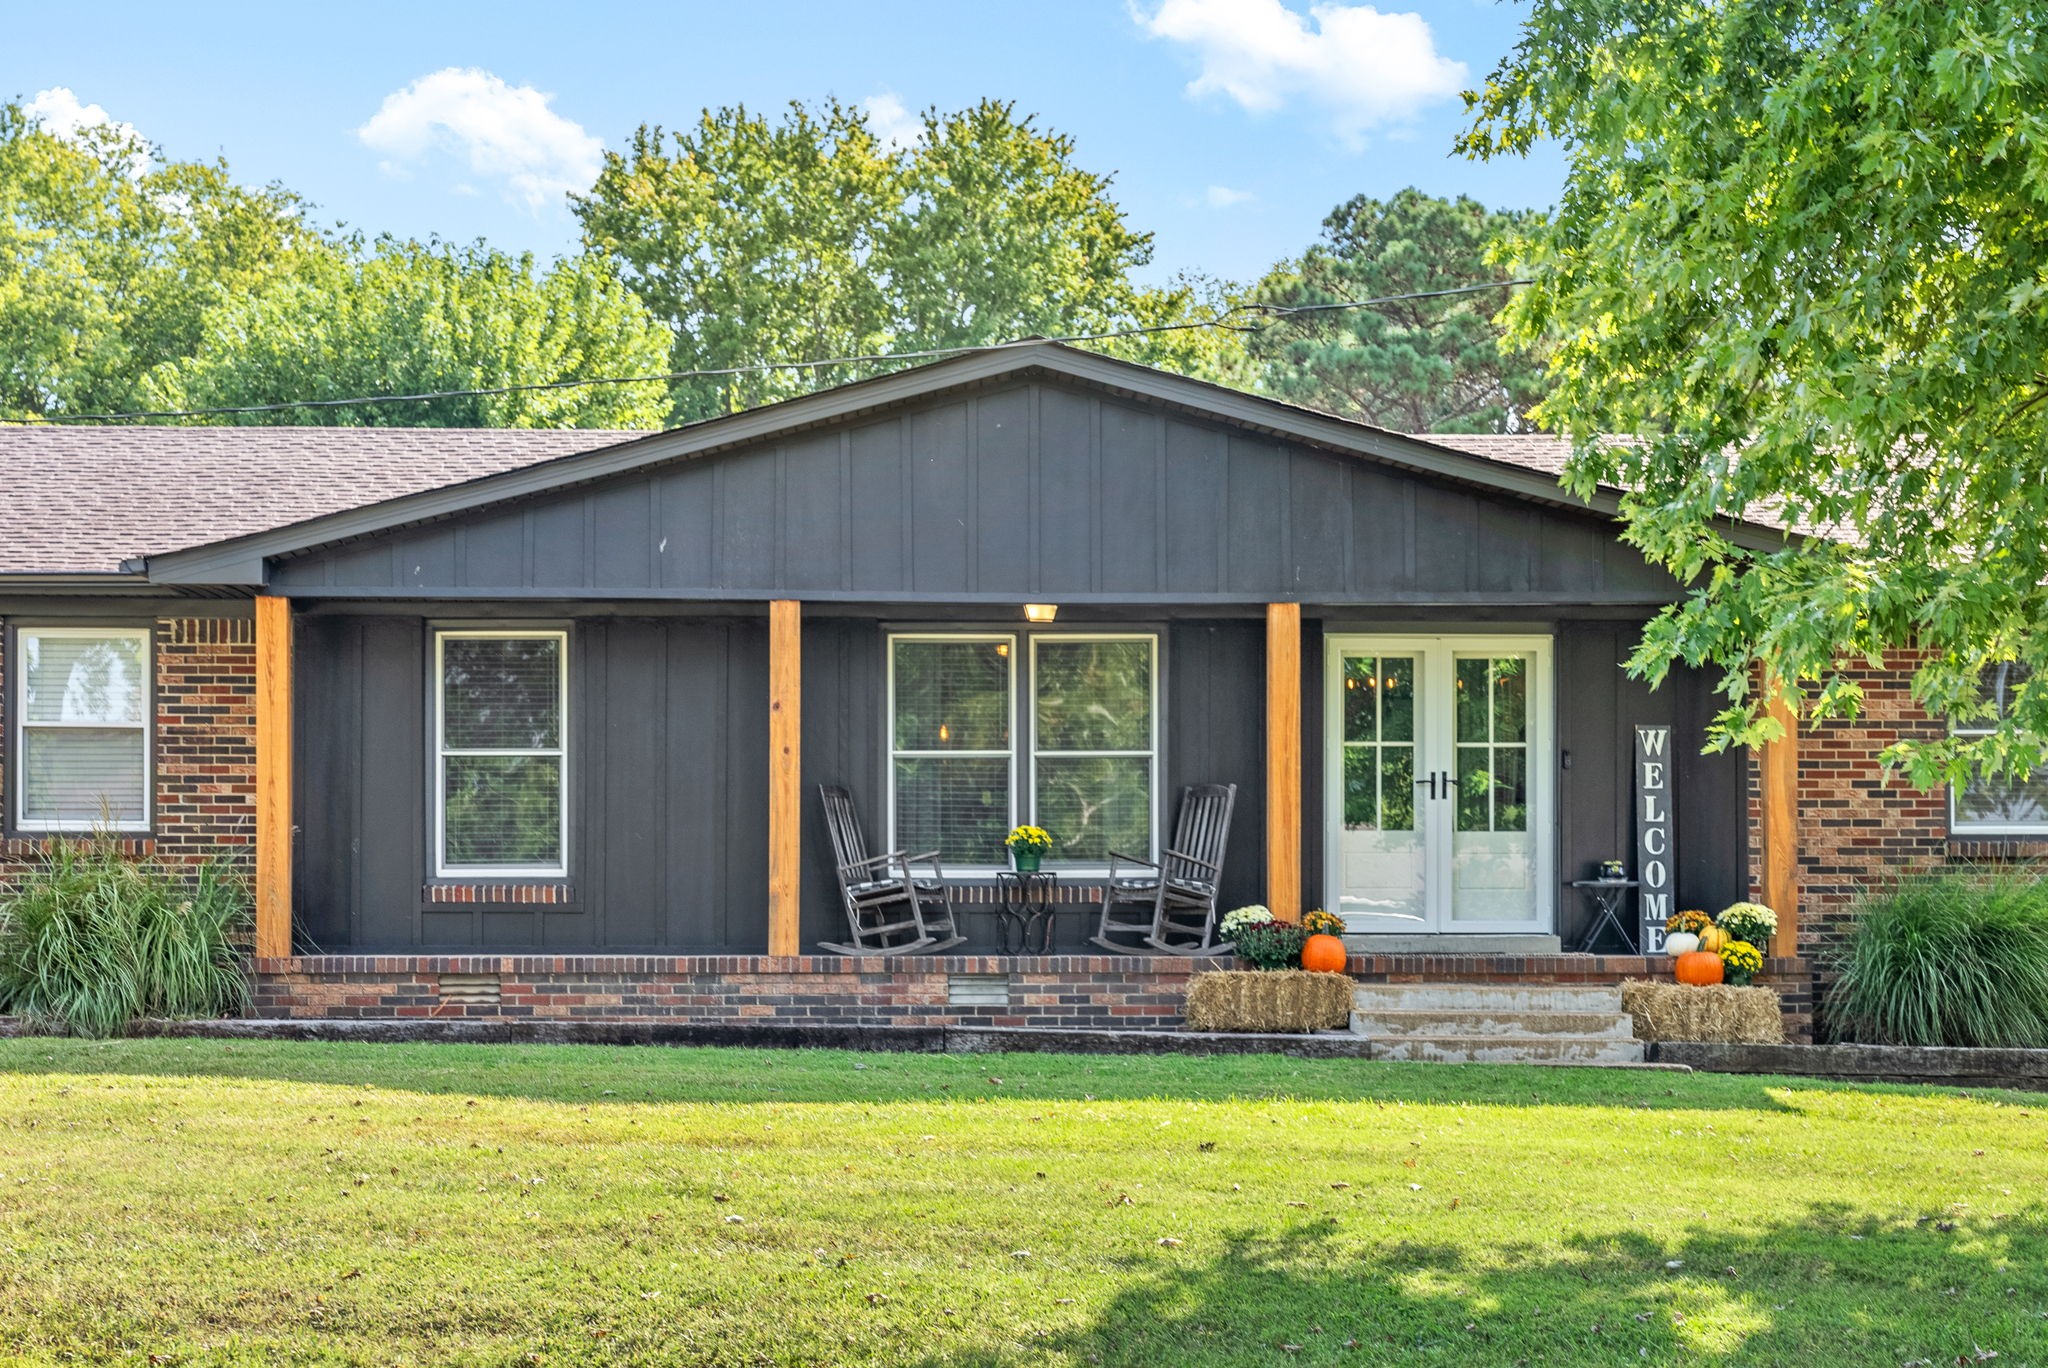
x: 1439, y: 792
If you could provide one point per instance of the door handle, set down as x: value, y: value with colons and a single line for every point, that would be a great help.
x: 1431, y: 782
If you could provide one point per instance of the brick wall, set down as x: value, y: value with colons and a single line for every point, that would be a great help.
x: 1073, y: 991
x: 204, y: 763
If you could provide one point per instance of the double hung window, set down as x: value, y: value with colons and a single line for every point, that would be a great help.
x: 501, y: 758
x: 82, y: 729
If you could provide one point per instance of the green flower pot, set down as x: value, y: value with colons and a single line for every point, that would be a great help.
x: 1027, y: 860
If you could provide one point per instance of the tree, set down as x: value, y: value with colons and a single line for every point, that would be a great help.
x: 1416, y: 365
x: 110, y: 257
x: 1801, y: 259
x: 809, y: 239
x: 408, y: 318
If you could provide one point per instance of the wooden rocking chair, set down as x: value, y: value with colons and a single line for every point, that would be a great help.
x: 1179, y: 889
x: 895, y: 903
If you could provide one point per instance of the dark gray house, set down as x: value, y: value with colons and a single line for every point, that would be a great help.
x: 562, y: 701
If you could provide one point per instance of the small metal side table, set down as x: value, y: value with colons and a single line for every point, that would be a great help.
x: 1025, y: 901
x: 1608, y: 897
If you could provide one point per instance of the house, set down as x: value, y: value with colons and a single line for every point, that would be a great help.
x: 532, y: 723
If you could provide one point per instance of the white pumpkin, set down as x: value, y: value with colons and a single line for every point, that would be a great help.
x: 1680, y: 943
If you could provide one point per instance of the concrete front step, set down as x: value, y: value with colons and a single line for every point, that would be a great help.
x: 1487, y: 997
x: 1540, y: 1049
x: 1391, y: 1023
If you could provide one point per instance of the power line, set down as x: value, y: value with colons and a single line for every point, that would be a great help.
x: 1274, y: 312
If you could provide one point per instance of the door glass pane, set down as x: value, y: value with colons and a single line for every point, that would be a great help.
x: 1475, y: 789
x: 1361, y: 788
x: 1361, y: 698
x: 503, y: 810
x: 501, y: 693
x: 1473, y: 697
x: 1094, y: 695
x: 1095, y: 804
x: 1510, y: 789
x: 1510, y: 698
x: 952, y: 695
x: 83, y: 679
x: 1397, y: 788
x: 956, y: 805
x: 1397, y: 698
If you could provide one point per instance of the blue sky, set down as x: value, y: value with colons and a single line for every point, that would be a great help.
x: 1232, y: 126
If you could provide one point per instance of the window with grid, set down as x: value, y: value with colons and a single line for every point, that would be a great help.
x: 1492, y: 743
x: 501, y: 753
x: 82, y: 733
x: 1077, y: 713
x: 2002, y: 805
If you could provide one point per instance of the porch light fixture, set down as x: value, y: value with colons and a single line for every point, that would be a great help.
x: 1041, y: 612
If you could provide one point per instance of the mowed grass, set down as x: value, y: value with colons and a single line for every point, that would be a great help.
x: 205, y: 1202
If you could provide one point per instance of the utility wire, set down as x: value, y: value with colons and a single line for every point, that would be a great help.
x: 1273, y: 312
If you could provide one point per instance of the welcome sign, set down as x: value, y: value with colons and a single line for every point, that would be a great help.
x: 1656, y: 854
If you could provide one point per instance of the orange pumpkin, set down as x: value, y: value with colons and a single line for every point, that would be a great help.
x: 1715, y: 939
x: 1698, y: 967
x: 1324, y: 954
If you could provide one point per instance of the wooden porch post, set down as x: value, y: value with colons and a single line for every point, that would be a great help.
x: 1283, y: 760
x: 273, y: 777
x: 1780, y: 793
x: 785, y: 773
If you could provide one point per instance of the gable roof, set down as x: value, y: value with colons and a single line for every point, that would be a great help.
x: 209, y: 505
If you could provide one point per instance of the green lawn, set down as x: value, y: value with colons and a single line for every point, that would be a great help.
x: 200, y: 1202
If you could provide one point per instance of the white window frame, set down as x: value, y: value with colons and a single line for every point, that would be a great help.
x: 1966, y: 827
x: 1023, y: 752
x: 442, y: 869
x: 889, y: 721
x: 1151, y: 753
x: 22, y: 726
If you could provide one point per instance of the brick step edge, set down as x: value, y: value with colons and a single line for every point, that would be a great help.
x: 910, y: 1039
x: 1944, y: 1065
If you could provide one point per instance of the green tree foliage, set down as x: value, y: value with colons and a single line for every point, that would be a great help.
x: 408, y: 318
x: 110, y: 257
x: 809, y: 238
x: 1802, y: 258
x: 1418, y: 365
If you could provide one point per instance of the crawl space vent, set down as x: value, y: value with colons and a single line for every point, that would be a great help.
x: 470, y: 990
x: 977, y: 990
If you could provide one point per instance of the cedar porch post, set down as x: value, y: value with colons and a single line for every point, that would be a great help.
x: 1283, y: 760
x: 273, y: 777
x: 1780, y: 792
x: 785, y: 770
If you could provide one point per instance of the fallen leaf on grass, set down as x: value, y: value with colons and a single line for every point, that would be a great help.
x: 1339, y: 1187
x: 735, y: 1220
x: 1169, y: 1242
x: 878, y: 1299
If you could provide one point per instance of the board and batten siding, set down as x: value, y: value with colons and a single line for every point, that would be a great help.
x: 668, y: 777
x: 1030, y: 492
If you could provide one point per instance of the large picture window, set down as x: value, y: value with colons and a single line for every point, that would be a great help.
x: 1063, y: 734
x: 501, y: 782
x: 2000, y: 806
x: 82, y: 732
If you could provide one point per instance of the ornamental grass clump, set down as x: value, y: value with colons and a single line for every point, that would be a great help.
x: 91, y: 940
x: 1956, y: 958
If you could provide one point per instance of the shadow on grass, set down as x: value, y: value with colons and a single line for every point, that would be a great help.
x: 598, y: 1074
x: 1820, y: 1289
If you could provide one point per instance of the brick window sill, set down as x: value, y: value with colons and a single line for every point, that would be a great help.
x: 1997, y: 847
x: 553, y: 894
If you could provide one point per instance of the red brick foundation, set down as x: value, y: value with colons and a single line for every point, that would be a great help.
x: 204, y: 762
x: 1069, y: 991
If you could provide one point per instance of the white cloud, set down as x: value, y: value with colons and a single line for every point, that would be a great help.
x: 891, y: 121
x: 504, y: 133
x: 61, y: 115
x: 1223, y: 197
x: 1364, y: 67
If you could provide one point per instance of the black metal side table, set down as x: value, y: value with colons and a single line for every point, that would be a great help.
x: 1025, y: 901
x: 1608, y: 897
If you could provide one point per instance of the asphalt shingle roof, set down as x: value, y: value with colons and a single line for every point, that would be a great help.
x: 76, y: 500
x: 82, y: 500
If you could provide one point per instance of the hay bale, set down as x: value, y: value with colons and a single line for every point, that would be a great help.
x: 1268, y: 1000
x: 1714, y: 1013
